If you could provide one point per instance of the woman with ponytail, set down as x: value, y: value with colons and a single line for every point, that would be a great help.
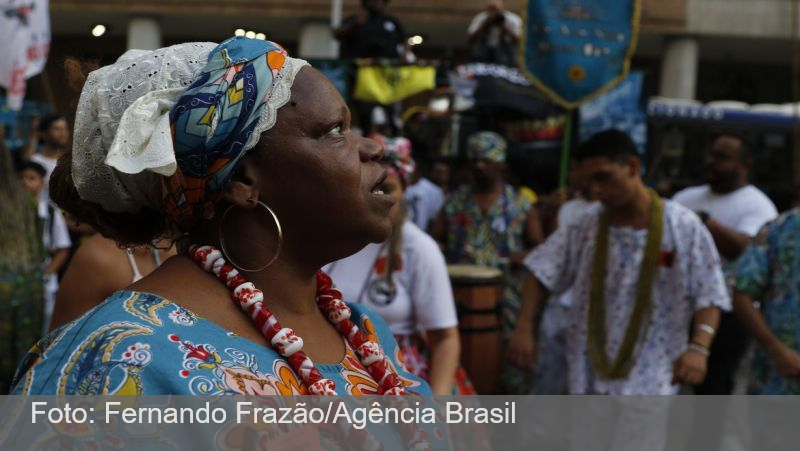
x: 405, y: 280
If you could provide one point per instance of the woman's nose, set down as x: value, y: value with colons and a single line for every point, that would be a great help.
x: 370, y: 150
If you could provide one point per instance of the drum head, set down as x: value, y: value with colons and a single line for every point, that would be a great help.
x: 473, y: 274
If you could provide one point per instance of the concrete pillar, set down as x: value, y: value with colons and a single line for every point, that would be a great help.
x: 315, y: 41
x: 679, y: 69
x: 336, y: 22
x: 144, y: 33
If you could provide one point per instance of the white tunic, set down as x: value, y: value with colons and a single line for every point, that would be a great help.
x: 689, y: 279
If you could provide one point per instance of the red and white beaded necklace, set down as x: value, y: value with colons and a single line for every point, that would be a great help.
x: 289, y: 345
x: 286, y: 342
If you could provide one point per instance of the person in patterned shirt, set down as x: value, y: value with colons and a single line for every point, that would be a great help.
x: 768, y: 271
x: 488, y: 223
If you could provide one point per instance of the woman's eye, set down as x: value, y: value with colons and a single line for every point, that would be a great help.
x: 387, y: 188
x: 337, y: 130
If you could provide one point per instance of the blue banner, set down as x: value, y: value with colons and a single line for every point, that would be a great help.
x: 576, y: 49
x: 618, y: 108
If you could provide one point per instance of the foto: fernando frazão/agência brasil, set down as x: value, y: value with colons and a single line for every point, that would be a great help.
x: 300, y: 413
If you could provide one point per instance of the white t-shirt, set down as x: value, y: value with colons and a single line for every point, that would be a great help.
x: 49, y: 165
x: 55, y: 236
x: 745, y: 210
x: 689, y: 279
x: 423, y: 297
x: 425, y: 199
x: 513, y: 21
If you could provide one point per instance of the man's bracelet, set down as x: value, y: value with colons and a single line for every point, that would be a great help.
x: 699, y: 348
x: 706, y: 328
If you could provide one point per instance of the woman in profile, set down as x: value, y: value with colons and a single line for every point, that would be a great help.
x: 245, y: 154
x: 405, y: 280
x: 225, y: 189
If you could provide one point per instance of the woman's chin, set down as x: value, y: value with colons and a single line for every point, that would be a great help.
x: 382, y: 232
x: 377, y: 231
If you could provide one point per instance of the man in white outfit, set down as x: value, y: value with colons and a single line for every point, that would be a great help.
x: 733, y: 210
x: 641, y: 269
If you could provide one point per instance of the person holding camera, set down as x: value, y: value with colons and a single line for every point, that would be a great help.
x: 494, y: 34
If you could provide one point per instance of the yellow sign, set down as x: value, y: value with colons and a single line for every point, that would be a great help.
x: 387, y: 85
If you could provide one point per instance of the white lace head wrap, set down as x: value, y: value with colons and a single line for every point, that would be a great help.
x: 101, y: 125
x: 124, y: 130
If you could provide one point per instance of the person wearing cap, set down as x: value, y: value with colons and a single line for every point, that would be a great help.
x: 488, y: 223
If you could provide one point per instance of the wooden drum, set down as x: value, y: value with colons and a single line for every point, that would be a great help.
x: 478, y: 291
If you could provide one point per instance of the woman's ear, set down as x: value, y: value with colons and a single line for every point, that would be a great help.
x: 243, y: 190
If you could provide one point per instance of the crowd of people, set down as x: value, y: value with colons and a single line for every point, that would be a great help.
x: 336, y: 244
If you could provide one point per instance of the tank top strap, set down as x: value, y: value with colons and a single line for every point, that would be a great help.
x: 134, y: 267
x: 156, y: 255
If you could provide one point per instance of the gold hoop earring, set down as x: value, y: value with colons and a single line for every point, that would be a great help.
x: 225, y: 250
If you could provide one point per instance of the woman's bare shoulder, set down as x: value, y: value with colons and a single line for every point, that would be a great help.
x: 98, y: 251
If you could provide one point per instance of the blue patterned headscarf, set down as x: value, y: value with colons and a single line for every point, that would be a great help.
x: 219, y: 117
x: 486, y: 146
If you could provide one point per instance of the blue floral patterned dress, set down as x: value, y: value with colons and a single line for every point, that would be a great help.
x: 140, y: 343
x: 769, y: 271
x: 137, y: 343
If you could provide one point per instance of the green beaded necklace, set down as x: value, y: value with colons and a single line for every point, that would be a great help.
x: 640, y: 317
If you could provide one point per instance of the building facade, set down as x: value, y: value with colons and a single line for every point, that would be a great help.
x: 690, y: 49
